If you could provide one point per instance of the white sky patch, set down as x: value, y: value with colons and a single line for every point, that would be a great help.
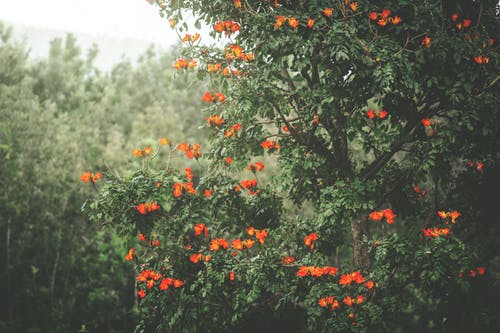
x: 114, y: 18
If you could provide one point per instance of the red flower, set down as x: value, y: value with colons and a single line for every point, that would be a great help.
x: 481, y: 270
x: 141, y: 237
x: 348, y: 301
x: 200, y: 228
x: 141, y: 293
x: 382, y: 114
x: 328, y: 11
x: 370, y: 114
x: 310, y: 22
x: 385, y: 13
x: 426, y: 41
x: 261, y: 235
x: 178, y: 283
x: 147, y: 207
x: 376, y: 216
x: 369, y: 284
x: 454, y: 17
x: 360, y: 299
x: 389, y: 216
x: 310, y: 240
x: 287, y: 260
x: 130, y: 254
x: 467, y: 23
x: 426, y: 122
x: 228, y: 161
x: 207, y: 97
x: 373, y: 16
x: 232, y: 276
x: 480, y: 166
x: 207, y: 193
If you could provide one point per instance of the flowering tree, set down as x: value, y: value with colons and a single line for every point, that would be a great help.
x: 376, y: 115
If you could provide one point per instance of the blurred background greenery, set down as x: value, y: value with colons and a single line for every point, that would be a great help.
x: 60, y: 116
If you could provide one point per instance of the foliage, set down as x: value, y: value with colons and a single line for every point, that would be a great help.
x: 58, y: 116
x: 380, y: 116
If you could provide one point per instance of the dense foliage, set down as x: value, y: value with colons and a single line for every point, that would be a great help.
x: 58, y: 116
x: 381, y: 117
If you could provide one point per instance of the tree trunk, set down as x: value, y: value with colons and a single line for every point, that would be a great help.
x: 359, y: 248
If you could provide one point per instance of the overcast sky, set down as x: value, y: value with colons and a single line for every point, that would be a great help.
x: 116, y: 18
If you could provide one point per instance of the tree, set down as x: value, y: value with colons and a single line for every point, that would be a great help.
x: 376, y: 113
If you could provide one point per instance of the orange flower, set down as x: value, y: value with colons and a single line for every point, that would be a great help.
x: 228, y: 161
x: 233, y: 131
x: 164, y: 141
x: 258, y: 166
x: 189, y: 173
x: 354, y: 6
x: 130, y: 254
x: 141, y: 237
x: 436, y: 232
x: 211, y: 68
x: 369, y: 284
x: 87, y: 177
x: 229, y: 27
x: 442, y: 214
x: 200, y: 228
x: 382, y: 22
x: 382, y: 114
x: 237, y: 3
x: 328, y: 11
x: 310, y: 22
x: 279, y: 21
x: 232, y: 276
x: 287, y: 260
x: 215, y: 120
x: 217, y: 243
x: 376, y: 216
x: 178, y: 283
x: 147, y: 207
x: 248, y: 243
x: 207, y: 97
x: 207, y: 193
x: 237, y: 244
x: 251, y: 231
x: 196, y: 257
x: 373, y: 16
x: 219, y: 97
x: 360, y: 299
x: 454, y: 215
x: 385, y: 13
x: 396, y: 20
x: 141, y: 293
x: 249, y: 184
x: 293, y: 22
x: 345, y: 280
x: 261, y: 235
x: 310, y: 240
x: 322, y: 302
x: 426, y: 42
x: 426, y: 122
x: 348, y: 301
x: 271, y: 145
x: 389, y: 216
x: 370, y: 114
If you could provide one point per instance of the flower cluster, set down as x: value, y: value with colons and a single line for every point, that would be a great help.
x: 383, y: 18
x: 349, y: 301
x: 479, y: 165
x: 87, y: 177
x: 254, y: 167
x: 452, y: 215
x: 239, y: 244
x: 480, y: 59
x: 310, y: 240
x: 191, y: 151
x: 181, y: 188
x: 387, y: 213
x: 229, y: 27
x: 426, y: 42
x: 288, y: 260
x: 215, y: 120
x: 436, y: 232
x: 216, y: 97
x: 236, y: 52
x: 250, y: 185
x: 481, y: 270
x: 292, y: 21
x: 260, y: 235
x: 142, y: 152
x: 372, y: 114
x: 199, y: 257
x: 200, y: 228
x: 188, y: 38
x: 231, y: 133
x: 147, y: 207
x: 460, y: 24
x: 150, y: 278
x: 183, y: 63
x: 420, y: 192
x: 348, y: 279
x: 271, y: 145
x: 317, y: 271
x: 130, y: 254
x: 330, y: 300
x: 217, y: 243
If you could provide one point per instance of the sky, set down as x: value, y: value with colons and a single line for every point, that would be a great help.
x: 115, y: 18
